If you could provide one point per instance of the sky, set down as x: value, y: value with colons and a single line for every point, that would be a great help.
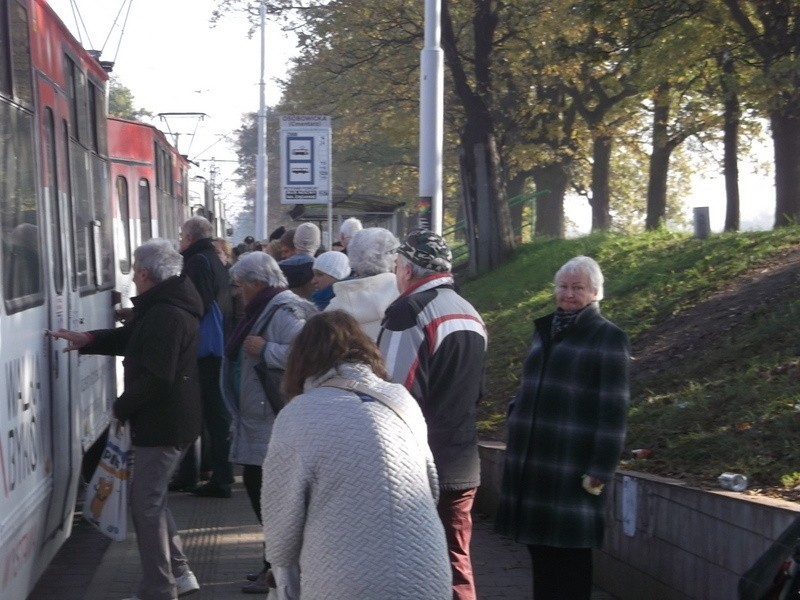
x: 173, y: 61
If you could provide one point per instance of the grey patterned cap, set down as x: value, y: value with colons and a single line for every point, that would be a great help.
x: 428, y: 250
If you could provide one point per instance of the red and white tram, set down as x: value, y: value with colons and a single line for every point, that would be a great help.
x: 78, y: 192
x: 150, y: 191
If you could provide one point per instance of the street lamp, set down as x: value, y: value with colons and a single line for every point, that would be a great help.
x: 431, y: 120
x: 261, y: 208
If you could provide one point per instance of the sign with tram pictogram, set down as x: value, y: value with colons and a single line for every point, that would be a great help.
x: 305, y: 159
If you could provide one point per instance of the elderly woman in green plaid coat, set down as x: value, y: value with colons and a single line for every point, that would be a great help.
x: 566, y: 429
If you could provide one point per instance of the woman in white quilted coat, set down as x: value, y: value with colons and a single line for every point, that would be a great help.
x: 349, y: 490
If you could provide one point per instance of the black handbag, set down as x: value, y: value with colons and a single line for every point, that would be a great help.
x: 271, y: 377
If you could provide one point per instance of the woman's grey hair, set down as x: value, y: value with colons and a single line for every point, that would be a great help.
x: 584, y: 265
x: 370, y: 251
x: 160, y: 258
x: 258, y: 267
x: 197, y: 228
x: 349, y: 228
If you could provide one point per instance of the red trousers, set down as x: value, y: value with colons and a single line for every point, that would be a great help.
x: 455, y: 512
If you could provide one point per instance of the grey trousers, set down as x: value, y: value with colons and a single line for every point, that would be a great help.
x: 160, y: 548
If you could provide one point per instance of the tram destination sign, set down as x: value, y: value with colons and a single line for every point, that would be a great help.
x: 305, y: 159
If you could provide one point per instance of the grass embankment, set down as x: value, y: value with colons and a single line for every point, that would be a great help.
x: 727, y: 406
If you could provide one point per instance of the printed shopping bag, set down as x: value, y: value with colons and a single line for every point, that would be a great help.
x: 106, y: 502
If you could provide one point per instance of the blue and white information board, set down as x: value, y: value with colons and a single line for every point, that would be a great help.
x: 305, y: 159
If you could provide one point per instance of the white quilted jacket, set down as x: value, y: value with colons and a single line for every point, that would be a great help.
x: 349, y: 495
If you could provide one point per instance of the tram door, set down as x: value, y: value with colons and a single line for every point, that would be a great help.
x: 64, y: 447
x: 78, y: 280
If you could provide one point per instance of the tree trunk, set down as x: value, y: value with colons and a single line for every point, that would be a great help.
x: 786, y: 141
x: 491, y: 238
x: 730, y: 143
x: 659, y: 162
x: 552, y: 180
x: 515, y: 186
x: 601, y: 191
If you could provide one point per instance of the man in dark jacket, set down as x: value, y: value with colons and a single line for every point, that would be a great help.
x: 434, y: 343
x: 161, y: 402
x: 204, y: 268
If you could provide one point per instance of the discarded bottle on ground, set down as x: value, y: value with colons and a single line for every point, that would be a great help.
x: 735, y: 482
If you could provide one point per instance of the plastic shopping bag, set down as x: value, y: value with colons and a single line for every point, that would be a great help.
x: 106, y: 502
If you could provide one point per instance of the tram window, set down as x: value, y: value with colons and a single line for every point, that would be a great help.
x: 170, y: 169
x: 125, y: 216
x: 145, y: 216
x: 166, y: 216
x: 71, y: 69
x: 184, y: 186
x: 20, y: 53
x: 5, y: 53
x: 82, y: 216
x: 76, y: 88
x: 93, y: 141
x: 102, y: 216
x: 53, y: 200
x: 97, y: 119
x: 19, y: 217
x: 159, y: 166
x: 71, y: 204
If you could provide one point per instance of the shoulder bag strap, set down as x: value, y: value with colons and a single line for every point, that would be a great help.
x: 400, y: 410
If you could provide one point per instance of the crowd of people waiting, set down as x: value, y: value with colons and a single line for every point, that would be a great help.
x: 346, y: 385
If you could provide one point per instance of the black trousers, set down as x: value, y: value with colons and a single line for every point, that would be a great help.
x: 217, y: 421
x: 214, y: 451
x: 561, y: 573
x: 251, y: 478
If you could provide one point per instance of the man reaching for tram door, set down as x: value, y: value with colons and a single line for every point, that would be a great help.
x: 204, y: 268
x: 161, y: 402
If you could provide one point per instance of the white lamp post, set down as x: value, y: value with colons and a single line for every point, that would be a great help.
x: 431, y: 119
x: 261, y: 207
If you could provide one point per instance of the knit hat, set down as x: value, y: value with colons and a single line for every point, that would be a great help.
x: 297, y: 273
x: 428, y: 250
x: 277, y: 233
x: 333, y: 263
x: 307, y: 238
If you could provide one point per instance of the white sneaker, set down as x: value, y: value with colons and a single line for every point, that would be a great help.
x: 186, y: 584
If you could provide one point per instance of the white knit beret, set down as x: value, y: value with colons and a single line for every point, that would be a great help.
x: 307, y: 238
x: 335, y: 264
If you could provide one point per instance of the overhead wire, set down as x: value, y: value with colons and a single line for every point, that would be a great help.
x: 124, y: 24
x: 79, y: 24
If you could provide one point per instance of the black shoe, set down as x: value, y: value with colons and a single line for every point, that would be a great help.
x: 176, y: 486
x: 212, y: 490
x: 261, y: 585
x: 255, y: 576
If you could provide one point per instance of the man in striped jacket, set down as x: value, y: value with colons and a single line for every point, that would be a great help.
x: 434, y: 343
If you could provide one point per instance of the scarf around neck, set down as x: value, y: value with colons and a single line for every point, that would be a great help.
x: 252, y: 311
x: 563, y: 321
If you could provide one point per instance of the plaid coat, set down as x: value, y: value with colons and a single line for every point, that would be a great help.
x: 567, y: 420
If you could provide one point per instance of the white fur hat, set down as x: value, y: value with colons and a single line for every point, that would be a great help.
x: 334, y: 264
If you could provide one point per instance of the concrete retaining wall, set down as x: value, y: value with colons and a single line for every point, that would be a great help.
x: 666, y: 540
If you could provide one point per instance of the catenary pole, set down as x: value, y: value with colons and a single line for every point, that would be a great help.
x: 431, y: 120
x: 261, y: 207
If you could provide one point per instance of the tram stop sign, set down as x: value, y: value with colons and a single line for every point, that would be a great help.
x: 305, y: 159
